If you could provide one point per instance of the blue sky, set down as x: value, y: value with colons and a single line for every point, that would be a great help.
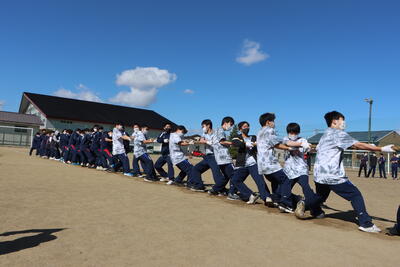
x: 304, y: 57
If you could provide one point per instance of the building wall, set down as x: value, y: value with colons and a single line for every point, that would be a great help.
x: 32, y: 110
x: 392, y: 138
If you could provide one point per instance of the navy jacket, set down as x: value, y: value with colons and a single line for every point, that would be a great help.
x: 86, y: 141
x: 64, y: 139
x: 164, y: 146
x: 74, y: 140
x: 95, y: 141
x: 104, y: 144
x: 36, y: 141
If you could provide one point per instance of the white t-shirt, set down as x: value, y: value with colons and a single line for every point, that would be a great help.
x: 118, y: 144
x: 139, y: 148
x: 221, y: 152
x: 328, y: 167
x: 175, y: 150
x: 295, y: 165
x: 267, y: 162
x: 211, y: 138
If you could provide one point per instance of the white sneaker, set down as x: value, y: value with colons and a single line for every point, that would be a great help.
x: 252, y: 199
x: 98, y: 168
x: 164, y: 179
x: 170, y: 182
x: 300, y: 210
x: 372, y: 229
x: 142, y: 175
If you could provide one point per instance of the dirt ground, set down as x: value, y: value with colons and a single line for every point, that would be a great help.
x: 53, y: 214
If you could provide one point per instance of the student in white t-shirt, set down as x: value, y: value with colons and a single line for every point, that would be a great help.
x: 179, y: 159
x: 119, y: 149
x: 329, y: 173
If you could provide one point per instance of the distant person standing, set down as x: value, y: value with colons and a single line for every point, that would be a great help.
x: 372, y: 165
x: 363, y: 165
x: 381, y: 164
x: 394, y: 164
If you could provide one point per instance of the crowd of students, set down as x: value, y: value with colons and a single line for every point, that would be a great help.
x: 231, y: 161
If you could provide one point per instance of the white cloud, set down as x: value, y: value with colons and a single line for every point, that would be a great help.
x: 144, y: 83
x: 83, y: 93
x: 251, y: 53
x: 2, y: 102
x: 188, y: 91
x: 136, y: 97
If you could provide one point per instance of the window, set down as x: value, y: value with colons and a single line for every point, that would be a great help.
x: 68, y: 122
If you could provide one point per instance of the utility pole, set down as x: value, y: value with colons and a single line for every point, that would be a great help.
x: 369, y: 101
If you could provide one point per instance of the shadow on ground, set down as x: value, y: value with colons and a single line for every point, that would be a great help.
x: 44, y: 235
x: 350, y: 216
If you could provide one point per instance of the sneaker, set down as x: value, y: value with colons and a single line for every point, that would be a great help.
x: 98, y: 168
x: 253, y: 199
x: 147, y: 179
x: 393, y: 231
x: 164, y: 179
x: 211, y: 192
x: 195, y: 189
x: 170, y: 182
x: 128, y: 174
x: 371, y: 229
x: 300, y: 210
x: 142, y: 175
x: 269, y: 203
x: 233, y: 197
x: 285, y: 209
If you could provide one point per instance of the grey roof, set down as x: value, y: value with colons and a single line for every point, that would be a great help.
x: 14, y: 117
x: 376, y: 136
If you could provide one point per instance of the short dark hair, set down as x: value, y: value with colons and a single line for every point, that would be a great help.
x: 136, y: 124
x: 266, y: 117
x: 293, y: 128
x: 167, y: 123
x: 101, y: 128
x: 144, y: 126
x: 333, y: 115
x: 228, y: 120
x: 181, y: 128
x: 242, y: 123
x: 119, y: 123
x: 207, y: 122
